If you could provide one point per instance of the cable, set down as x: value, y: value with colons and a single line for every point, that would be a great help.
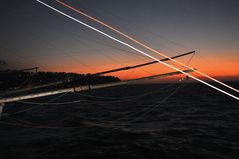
x: 132, y: 47
x: 34, y: 107
x: 145, y: 46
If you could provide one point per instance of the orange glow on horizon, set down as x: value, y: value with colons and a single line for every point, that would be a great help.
x: 220, y: 68
x: 214, y: 66
x: 148, y: 48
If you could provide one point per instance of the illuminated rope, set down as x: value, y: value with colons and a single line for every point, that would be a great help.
x: 132, y: 47
x: 142, y: 44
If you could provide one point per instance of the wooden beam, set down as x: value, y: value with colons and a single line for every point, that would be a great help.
x: 3, y: 101
x: 1, y: 109
x: 141, y: 65
x: 95, y: 74
x: 84, y: 88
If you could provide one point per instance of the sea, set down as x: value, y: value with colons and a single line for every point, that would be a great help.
x: 141, y: 121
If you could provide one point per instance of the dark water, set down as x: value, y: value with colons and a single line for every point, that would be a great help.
x: 136, y: 121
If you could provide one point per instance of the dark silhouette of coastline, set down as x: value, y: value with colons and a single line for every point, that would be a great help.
x: 14, y: 79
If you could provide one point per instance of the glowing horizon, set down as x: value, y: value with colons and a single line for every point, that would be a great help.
x: 53, y: 44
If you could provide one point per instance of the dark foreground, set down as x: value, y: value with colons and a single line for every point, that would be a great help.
x: 135, y: 121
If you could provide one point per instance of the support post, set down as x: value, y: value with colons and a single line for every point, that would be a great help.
x: 1, y: 109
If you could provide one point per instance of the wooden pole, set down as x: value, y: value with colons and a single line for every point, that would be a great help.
x: 95, y: 74
x: 85, y: 88
x: 81, y: 88
x: 1, y: 109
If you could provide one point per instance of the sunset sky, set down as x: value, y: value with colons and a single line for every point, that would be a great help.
x: 33, y: 35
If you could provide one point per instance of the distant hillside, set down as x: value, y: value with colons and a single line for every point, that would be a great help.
x: 12, y: 79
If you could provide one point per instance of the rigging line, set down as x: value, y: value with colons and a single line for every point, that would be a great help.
x: 42, y: 85
x: 135, y: 54
x: 21, y: 70
x: 126, y: 99
x: 36, y: 106
x: 142, y: 44
x: 144, y: 110
x: 190, y: 59
x: 43, y: 126
x: 14, y: 52
x: 84, y: 88
x: 34, y: 126
x: 120, y: 100
x: 20, y: 120
x: 59, y: 103
x: 143, y: 27
x: 127, y: 115
x: 130, y: 114
x: 94, y: 101
x: 142, y: 52
x: 141, y: 65
x: 157, y: 105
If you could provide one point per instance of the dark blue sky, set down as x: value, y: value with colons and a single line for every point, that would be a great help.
x: 33, y: 35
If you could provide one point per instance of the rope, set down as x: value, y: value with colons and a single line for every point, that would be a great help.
x: 156, y: 106
x: 32, y: 125
x: 34, y: 107
x: 140, y: 51
x: 114, y: 100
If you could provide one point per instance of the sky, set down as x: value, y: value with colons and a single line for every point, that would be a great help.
x: 34, y: 35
